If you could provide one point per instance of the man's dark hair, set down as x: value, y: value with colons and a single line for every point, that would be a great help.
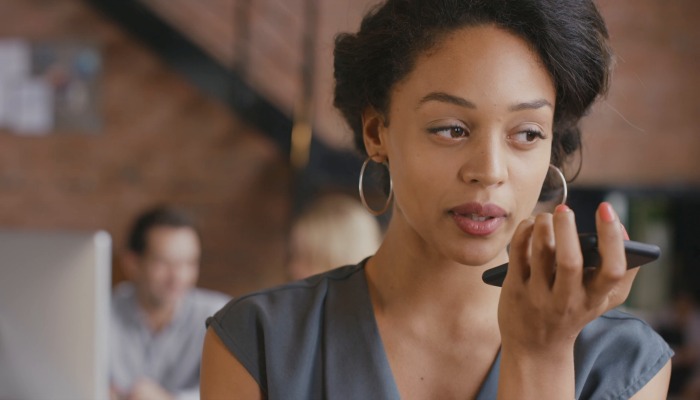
x: 159, y: 216
x: 569, y: 36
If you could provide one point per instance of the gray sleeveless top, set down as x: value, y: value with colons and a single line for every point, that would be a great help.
x: 318, y: 339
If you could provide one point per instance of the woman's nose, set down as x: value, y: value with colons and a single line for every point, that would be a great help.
x: 485, y: 164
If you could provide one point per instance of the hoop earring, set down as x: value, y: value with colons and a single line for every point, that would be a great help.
x: 563, y: 182
x: 362, y: 191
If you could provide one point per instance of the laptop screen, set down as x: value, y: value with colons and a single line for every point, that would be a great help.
x: 54, y: 314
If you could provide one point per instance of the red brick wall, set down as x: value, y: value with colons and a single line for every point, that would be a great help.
x: 274, y: 45
x: 272, y: 40
x: 162, y: 141
x: 645, y: 132
x: 208, y: 23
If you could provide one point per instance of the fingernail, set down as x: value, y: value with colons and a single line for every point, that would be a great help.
x: 561, y: 208
x: 606, y: 211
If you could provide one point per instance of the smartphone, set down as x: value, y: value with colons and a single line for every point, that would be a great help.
x: 637, y: 253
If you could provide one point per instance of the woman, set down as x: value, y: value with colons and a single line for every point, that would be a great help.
x: 467, y: 103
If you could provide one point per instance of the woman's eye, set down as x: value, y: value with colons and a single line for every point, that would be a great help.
x: 528, y: 136
x: 451, y: 132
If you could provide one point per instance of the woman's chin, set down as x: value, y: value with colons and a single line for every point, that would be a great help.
x: 481, y: 257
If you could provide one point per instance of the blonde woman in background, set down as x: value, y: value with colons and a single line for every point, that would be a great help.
x: 331, y: 231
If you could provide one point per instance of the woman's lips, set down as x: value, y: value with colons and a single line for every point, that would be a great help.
x: 478, y: 219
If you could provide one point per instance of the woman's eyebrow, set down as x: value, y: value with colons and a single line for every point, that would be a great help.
x: 531, y: 105
x: 462, y: 102
x: 446, y: 98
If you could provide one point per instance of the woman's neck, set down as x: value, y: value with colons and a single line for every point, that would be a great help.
x: 407, y: 275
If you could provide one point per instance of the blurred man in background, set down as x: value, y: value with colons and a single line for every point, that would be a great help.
x: 158, y: 316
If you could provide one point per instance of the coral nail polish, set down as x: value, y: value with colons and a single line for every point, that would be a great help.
x: 606, y: 212
x: 561, y: 208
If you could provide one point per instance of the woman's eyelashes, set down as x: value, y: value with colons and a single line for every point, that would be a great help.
x: 449, y: 131
x: 527, y: 136
x: 524, y: 137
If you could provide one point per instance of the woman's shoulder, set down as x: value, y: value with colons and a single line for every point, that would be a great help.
x: 288, y: 296
x: 618, y: 328
x: 617, y: 354
x: 281, y: 326
x: 286, y: 304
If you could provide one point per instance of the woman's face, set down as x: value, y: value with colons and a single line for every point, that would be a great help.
x: 468, y: 143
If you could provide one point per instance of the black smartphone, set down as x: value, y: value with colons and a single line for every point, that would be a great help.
x: 637, y: 253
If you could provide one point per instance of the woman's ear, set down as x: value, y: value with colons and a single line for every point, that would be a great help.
x: 373, y: 126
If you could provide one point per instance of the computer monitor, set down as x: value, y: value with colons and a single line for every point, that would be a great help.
x: 54, y: 314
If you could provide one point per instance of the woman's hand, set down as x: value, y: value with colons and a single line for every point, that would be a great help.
x: 547, y: 297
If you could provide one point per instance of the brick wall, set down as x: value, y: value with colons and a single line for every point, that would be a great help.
x: 162, y: 141
x: 270, y: 47
x: 645, y: 132
x: 266, y: 47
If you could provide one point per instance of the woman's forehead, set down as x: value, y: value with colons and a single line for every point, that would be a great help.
x: 482, y: 63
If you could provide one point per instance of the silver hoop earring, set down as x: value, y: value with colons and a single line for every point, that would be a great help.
x: 563, y: 182
x: 362, y: 191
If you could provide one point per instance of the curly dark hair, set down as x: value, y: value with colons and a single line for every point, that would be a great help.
x: 569, y: 36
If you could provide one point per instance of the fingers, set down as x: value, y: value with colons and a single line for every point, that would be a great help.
x: 536, y: 245
x: 612, y: 253
x: 556, y: 255
x: 519, y: 263
x: 542, y: 258
x: 546, y: 253
x: 569, y: 260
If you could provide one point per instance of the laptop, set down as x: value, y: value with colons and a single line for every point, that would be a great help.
x: 54, y: 314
